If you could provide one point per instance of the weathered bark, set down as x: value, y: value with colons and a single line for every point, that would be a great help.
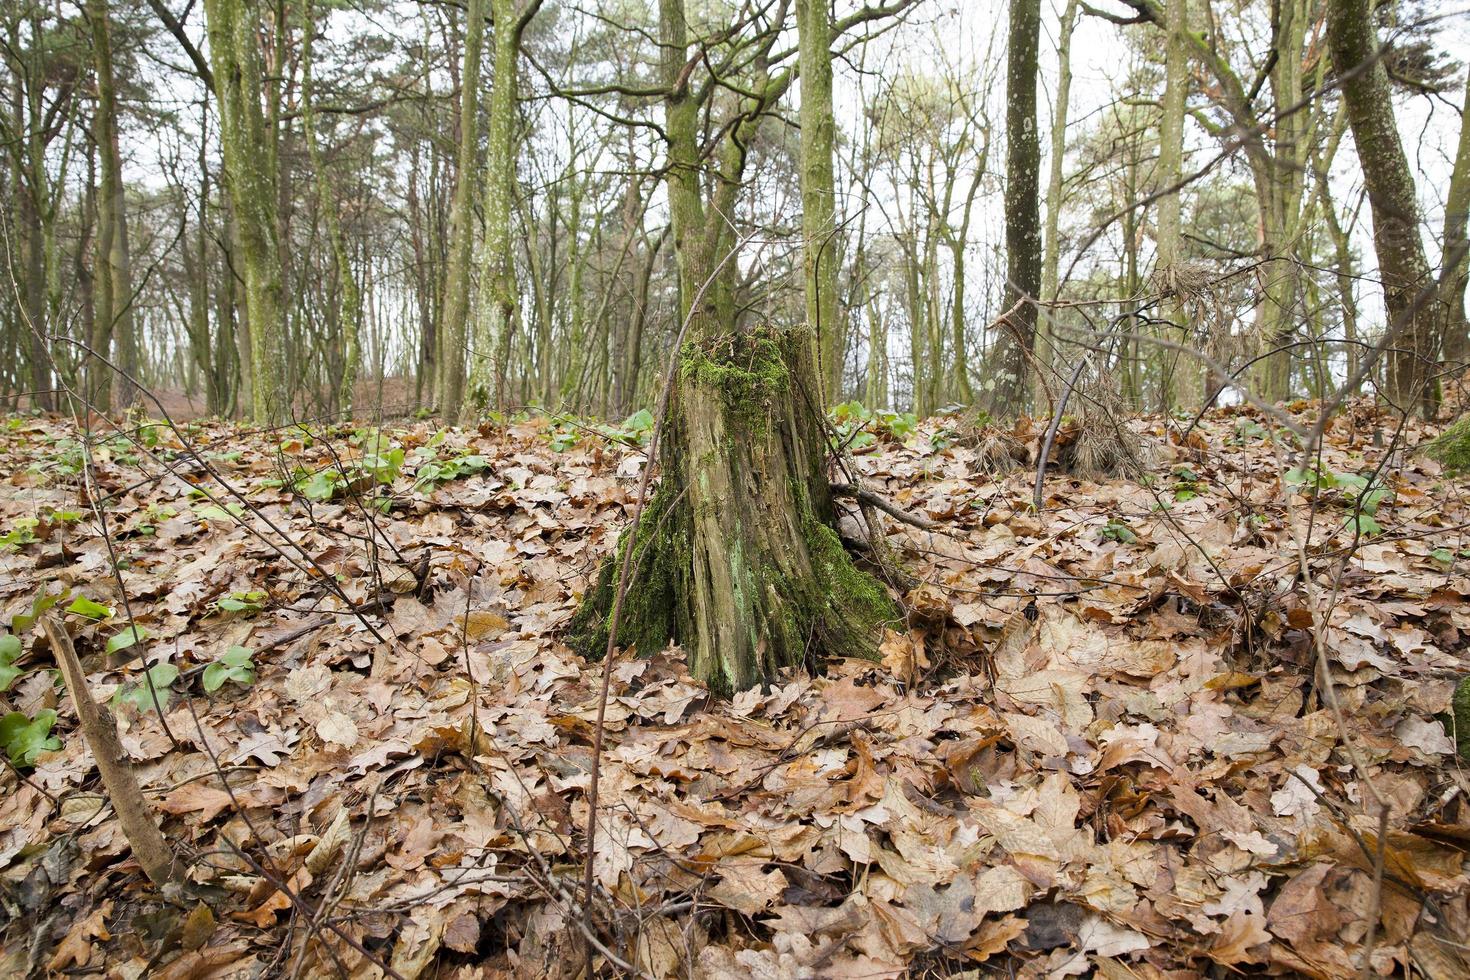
x: 1007, y: 395
x: 454, y: 332
x: 113, y: 319
x: 821, y: 247
x: 99, y: 730
x: 1181, y: 383
x: 495, y: 322
x: 251, y: 180
x: 1455, y: 264
x: 1391, y: 196
x: 736, y: 558
x: 349, y: 301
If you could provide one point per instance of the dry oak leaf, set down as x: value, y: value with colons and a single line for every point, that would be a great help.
x: 76, y: 948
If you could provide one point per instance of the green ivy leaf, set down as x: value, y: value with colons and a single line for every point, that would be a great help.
x: 42, y: 602
x: 162, y: 677
x: 25, y: 738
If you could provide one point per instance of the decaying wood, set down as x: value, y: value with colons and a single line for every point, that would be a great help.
x: 100, y: 732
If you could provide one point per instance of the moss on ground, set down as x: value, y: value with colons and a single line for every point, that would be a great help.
x: 1452, y: 447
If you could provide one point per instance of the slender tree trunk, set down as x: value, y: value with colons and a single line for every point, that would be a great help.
x: 233, y: 38
x: 453, y: 331
x: 117, y: 327
x: 498, y: 309
x: 1022, y: 212
x: 1046, y: 341
x: 349, y: 299
x: 822, y: 251
x: 1391, y: 195
x: 1455, y: 264
x: 1181, y: 380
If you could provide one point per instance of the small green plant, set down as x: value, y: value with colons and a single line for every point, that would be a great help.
x: 21, y: 533
x: 9, y: 654
x: 241, y: 602
x: 25, y: 738
x: 1117, y: 530
x: 235, y: 667
x: 228, y: 514
x: 40, y: 602
x: 127, y: 639
x: 88, y: 609
x: 161, y: 676
x: 1361, y: 495
x: 1187, y: 484
x: 1249, y: 430
x: 431, y: 472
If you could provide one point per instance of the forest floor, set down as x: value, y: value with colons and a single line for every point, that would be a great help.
x: 1100, y: 746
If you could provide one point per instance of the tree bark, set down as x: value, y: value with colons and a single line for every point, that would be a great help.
x: 1022, y: 213
x: 251, y: 178
x: 495, y: 322
x: 453, y: 332
x: 1046, y: 343
x: 349, y: 310
x: 1390, y: 184
x: 1455, y: 264
x: 822, y: 250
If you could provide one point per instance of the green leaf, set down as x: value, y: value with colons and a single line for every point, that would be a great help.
x: 1364, y: 524
x: 127, y: 638
x: 162, y: 677
x: 236, y: 665
x: 25, y: 738
x: 9, y: 654
x: 42, y: 602
x: 83, y: 606
x: 1442, y: 555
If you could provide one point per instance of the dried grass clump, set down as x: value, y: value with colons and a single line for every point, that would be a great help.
x: 997, y: 451
x: 1098, y: 444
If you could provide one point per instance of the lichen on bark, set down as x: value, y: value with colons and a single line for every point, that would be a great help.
x: 735, y: 558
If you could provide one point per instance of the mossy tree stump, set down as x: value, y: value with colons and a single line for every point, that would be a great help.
x: 735, y: 558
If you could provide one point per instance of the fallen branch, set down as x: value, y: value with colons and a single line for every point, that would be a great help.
x: 100, y: 733
x: 866, y: 496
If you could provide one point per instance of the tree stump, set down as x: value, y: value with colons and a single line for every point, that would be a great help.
x: 736, y: 558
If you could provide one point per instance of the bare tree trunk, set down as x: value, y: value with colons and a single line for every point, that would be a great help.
x: 349, y: 310
x: 453, y: 331
x: 498, y: 309
x: 1045, y: 344
x: 1391, y: 195
x: 1455, y: 270
x: 822, y: 249
x: 233, y: 39
x: 1022, y: 212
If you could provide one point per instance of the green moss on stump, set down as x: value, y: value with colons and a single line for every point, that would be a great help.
x: 1452, y: 447
x: 749, y: 370
x: 1460, y: 718
x: 649, y: 620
